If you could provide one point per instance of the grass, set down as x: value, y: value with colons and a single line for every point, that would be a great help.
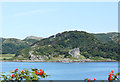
x: 97, y: 58
x: 80, y: 58
x: 7, y: 56
x: 54, y: 58
x: 61, y: 57
x: 11, y: 57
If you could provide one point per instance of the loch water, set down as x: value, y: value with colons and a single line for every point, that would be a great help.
x: 66, y: 71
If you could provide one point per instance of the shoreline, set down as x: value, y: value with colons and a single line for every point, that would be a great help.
x: 59, y: 61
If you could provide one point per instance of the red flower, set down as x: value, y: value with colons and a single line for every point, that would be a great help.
x: 109, y: 78
x: 13, y: 75
x: 110, y: 75
x: 16, y: 69
x: 23, y: 71
x: 37, y: 72
x: 112, y: 71
x: 94, y: 78
x: 113, y: 75
x: 42, y: 71
x: 88, y: 80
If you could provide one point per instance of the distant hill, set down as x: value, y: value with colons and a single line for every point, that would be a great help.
x: 12, y: 45
x: 107, y: 37
x: 90, y: 45
x: 33, y: 37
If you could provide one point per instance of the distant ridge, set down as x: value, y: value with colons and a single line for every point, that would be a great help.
x: 34, y: 37
x: 90, y: 44
x: 13, y: 45
x: 107, y: 37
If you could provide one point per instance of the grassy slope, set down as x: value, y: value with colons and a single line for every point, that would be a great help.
x: 7, y: 56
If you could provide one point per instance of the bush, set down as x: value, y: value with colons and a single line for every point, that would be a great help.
x: 111, y: 77
x: 16, y: 75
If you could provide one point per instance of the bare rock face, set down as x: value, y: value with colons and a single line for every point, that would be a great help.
x: 46, y: 57
x: 40, y: 57
x: 75, y: 53
x: 32, y: 57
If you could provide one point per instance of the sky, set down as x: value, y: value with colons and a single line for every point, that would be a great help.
x: 43, y: 19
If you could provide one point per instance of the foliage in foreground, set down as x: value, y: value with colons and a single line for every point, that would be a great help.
x: 16, y: 75
x: 111, y: 77
x: 36, y: 74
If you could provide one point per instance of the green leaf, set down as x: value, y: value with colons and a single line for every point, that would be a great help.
x: 44, y: 74
x: 34, y: 69
x: 48, y: 75
x: 11, y: 71
x: 33, y: 72
x: 34, y: 76
x: 86, y: 79
x: 22, y: 75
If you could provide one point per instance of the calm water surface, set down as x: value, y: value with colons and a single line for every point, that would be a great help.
x: 67, y: 71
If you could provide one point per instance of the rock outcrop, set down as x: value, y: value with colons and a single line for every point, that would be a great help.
x: 75, y: 53
x: 32, y: 57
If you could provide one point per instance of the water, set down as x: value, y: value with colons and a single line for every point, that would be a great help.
x: 67, y: 71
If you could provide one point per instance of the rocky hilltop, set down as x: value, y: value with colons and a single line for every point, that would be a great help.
x: 33, y: 37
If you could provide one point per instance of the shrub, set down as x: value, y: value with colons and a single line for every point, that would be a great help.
x: 111, y: 77
x: 25, y: 74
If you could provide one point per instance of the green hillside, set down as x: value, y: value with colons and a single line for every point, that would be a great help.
x: 107, y: 37
x: 12, y: 45
x: 62, y: 43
